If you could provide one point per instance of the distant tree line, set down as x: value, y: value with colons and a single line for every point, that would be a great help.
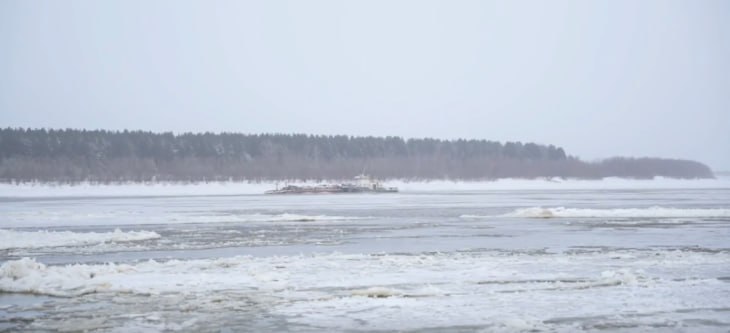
x: 110, y: 156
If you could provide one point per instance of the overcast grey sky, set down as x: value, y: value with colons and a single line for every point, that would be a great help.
x: 599, y: 78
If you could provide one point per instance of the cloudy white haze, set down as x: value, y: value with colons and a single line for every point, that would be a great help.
x: 599, y: 78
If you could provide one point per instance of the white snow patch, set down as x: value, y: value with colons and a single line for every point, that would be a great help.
x: 70, y: 218
x: 41, y: 190
x: 30, y: 190
x: 651, y: 212
x: 610, y: 183
x: 10, y: 239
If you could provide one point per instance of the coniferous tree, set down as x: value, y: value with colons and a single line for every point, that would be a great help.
x: 78, y: 155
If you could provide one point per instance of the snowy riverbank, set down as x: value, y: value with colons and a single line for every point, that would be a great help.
x: 27, y: 190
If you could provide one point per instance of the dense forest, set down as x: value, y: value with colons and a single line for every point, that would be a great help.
x: 110, y: 156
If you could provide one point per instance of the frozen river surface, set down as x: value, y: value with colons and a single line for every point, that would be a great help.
x: 586, y: 256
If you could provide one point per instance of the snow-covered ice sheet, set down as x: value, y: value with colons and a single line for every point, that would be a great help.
x: 497, y: 290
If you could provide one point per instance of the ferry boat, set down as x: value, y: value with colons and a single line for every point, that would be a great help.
x: 362, y: 184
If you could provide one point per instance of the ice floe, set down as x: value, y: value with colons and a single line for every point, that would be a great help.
x: 11, y: 239
x: 651, y: 212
